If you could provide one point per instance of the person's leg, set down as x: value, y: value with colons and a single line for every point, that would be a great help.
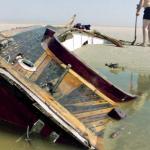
x: 145, y: 30
x: 149, y: 32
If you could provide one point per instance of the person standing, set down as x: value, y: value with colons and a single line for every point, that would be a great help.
x: 146, y: 19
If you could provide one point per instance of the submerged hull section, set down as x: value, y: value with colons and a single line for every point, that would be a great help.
x: 17, y: 110
x: 66, y: 57
x: 12, y: 109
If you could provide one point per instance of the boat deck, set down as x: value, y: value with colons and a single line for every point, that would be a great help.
x: 77, y: 98
x: 79, y: 108
x: 88, y: 108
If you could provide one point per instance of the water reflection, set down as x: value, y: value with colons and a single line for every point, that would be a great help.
x: 13, y: 140
x: 136, y: 126
x: 123, y: 79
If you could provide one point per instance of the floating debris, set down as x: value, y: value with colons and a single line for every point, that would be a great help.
x: 112, y: 65
x: 117, y: 133
x: 117, y: 114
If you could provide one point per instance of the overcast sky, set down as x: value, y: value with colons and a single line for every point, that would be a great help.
x: 97, y: 12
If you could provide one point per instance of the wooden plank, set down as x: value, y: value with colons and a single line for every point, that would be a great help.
x: 41, y: 59
x: 94, y: 118
x: 89, y: 103
x: 99, y: 128
x: 92, y: 113
x: 37, y: 64
x: 20, y: 69
x: 40, y: 69
x: 93, y: 88
x: 98, y: 122
x: 69, y: 84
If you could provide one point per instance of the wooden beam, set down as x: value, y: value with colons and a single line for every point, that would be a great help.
x: 41, y: 59
x: 40, y: 69
x: 98, y: 129
x: 40, y: 65
x: 89, y: 103
x: 92, y: 113
x: 69, y: 84
x: 94, y: 89
x: 98, y: 122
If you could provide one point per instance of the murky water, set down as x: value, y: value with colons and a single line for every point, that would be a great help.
x: 133, y: 132
x: 15, y: 140
x: 134, y: 129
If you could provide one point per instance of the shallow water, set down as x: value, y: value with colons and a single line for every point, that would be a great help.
x: 134, y: 129
x: 15, y: 140
x: 134, y: 135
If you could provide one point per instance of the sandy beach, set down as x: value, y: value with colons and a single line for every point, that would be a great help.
x: 6, y: 26
x: 123, y: 33
x: 12, y: 29
x: 10, y: 26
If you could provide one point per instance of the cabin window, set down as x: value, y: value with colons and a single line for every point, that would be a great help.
x: 26, y: 64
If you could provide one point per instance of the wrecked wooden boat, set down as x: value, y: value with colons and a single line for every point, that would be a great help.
x: 61, y: 45
x: 53, y: 92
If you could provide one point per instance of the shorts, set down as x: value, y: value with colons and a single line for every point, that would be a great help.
x: 146, y: 13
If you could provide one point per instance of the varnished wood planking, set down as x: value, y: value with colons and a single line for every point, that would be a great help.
x: 21, y: 70
x: 92, y: 113
x: 41, y: 59
x: 98, y: 129
x: 89, y: 103
x: 40, y: 64
x: 94, y: 118
x: 69, y: 84
x: 40, y: 69
x: 98, y: 122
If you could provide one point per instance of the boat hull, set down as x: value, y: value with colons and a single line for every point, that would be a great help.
x: 17, y: 110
